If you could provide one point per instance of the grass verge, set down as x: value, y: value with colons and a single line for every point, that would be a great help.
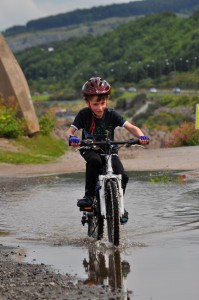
x: 38, y: 149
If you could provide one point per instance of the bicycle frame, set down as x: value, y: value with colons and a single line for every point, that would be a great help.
x: 109, y: 170
x: 102, y: 181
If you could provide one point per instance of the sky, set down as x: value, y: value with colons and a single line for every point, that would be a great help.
x: 19, y: 12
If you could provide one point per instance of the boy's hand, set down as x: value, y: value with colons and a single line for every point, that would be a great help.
x: 143, y: 139
x: 74, y: 141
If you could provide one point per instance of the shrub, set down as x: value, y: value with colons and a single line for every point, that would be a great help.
x: 47, y: 123
x: 162, y: 119
x: 185, y: 135
x: 10, y: 125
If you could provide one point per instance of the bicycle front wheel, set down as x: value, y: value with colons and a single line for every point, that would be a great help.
x: 112, y: 212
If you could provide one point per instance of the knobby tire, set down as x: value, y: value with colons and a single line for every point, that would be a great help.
x: 112, y: 212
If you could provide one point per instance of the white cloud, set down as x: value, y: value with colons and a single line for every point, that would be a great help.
x: 19, y: 12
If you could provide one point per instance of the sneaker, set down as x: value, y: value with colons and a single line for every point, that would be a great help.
x: 124, y: 218
x: 85, y: 202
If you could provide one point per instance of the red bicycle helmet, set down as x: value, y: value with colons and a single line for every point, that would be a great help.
x: 96, y: 86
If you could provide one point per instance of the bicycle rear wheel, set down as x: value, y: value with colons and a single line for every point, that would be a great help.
x: 96, y: 221
x: 112, y: 212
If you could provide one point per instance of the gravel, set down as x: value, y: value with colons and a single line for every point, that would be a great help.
x: 21, y: 281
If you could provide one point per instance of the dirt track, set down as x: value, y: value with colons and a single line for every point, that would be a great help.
x: 182, y: 158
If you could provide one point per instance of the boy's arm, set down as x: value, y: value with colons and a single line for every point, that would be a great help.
x: 136, y: 131
x: 70, y: 131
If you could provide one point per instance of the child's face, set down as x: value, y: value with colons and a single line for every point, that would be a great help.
x: 97, y: 107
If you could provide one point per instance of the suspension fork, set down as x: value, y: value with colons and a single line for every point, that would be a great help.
x: 102, y: 181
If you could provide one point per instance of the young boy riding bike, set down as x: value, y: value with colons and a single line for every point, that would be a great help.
x: 95, y: 119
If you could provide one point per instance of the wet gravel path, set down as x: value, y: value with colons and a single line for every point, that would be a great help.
x: 21, y: 281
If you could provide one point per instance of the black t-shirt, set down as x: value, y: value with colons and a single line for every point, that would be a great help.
x: 110, y: 120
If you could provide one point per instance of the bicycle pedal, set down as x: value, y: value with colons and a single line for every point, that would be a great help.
x: 89, y: 208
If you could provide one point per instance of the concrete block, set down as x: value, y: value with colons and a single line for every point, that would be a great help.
x: 13, y: 85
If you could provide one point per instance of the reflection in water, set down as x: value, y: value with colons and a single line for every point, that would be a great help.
x: 107, y: 269
x: 4, y: 233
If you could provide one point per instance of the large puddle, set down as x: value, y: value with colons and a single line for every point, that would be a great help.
x: 158, y: 256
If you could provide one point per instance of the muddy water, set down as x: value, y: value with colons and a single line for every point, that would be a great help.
x: 159, y: 253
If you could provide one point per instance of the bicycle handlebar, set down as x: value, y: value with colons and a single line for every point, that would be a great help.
x: 109, y: 142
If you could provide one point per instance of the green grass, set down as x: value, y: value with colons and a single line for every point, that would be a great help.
x: 41, y: 97
x: 38, y: 149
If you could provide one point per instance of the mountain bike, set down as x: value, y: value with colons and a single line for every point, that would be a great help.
x: 108, y: 202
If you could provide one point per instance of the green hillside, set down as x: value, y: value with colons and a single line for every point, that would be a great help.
x: 158, y: 49
x: 93, y: 21
x: 81, y: 16
x: 25, y: 40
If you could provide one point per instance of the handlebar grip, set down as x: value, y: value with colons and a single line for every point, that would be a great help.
x: 87, y: 142
x: 133, y: 142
